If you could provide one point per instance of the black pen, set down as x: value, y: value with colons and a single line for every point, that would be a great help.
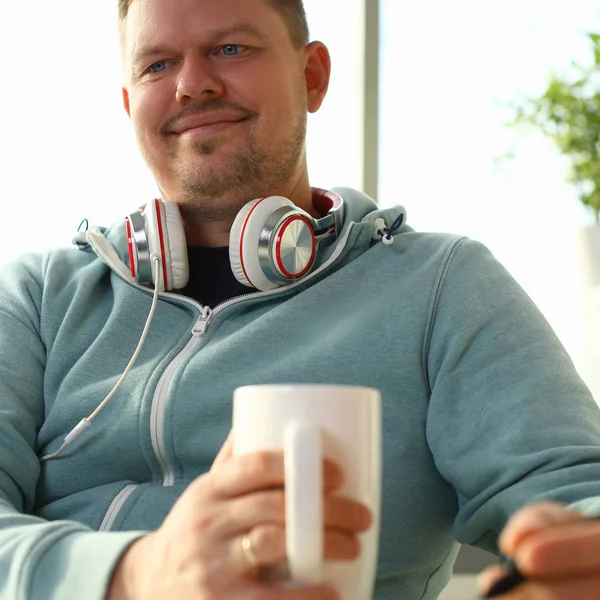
x: 508, y: 583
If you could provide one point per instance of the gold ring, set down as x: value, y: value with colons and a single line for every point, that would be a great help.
x: 248, y: 551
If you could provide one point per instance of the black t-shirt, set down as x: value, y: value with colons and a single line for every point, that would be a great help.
x: 211, y: 279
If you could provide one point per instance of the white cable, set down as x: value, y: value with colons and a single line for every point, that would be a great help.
x: 85, y: 423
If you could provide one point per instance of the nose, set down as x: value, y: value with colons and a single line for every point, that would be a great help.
x: 198, y: 79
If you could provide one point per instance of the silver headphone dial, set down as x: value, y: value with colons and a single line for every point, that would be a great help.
x: 295, y: 246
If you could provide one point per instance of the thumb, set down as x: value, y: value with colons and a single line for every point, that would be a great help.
x: 531, y: 519
x: 225, y: 453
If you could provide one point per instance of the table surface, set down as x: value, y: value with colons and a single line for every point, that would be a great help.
x: 461, y: 587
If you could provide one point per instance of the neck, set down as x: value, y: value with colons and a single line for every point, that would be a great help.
x: 209, y: 223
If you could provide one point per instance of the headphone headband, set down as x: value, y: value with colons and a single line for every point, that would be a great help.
x: 331, y: 205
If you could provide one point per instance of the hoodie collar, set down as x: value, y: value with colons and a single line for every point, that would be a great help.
x: 360, y: 213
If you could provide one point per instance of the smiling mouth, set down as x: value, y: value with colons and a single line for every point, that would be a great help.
x: 208, y: 128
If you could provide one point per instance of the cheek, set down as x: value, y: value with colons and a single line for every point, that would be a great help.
x: 149, y: 110
x: 283, y: 115
x: 147, y: 116
x: 268, y: 88
x: 276, y: 101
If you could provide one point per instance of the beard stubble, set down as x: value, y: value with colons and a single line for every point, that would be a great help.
x: 215, y: 194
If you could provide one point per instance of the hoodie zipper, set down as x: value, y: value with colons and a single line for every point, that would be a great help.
x: 199, y: 330
x: 159, y: 401
x: 115, y: 507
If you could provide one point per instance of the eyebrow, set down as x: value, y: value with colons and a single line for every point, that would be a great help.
x: 245, y: 28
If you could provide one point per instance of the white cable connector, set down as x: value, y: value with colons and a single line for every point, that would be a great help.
x: 84, y: 424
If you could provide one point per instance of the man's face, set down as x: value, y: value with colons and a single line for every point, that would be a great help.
x: 217, y: 95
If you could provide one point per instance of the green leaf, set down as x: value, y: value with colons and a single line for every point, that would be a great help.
x: 568, y: 112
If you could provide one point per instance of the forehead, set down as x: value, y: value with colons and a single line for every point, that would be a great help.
x: 163, y: 22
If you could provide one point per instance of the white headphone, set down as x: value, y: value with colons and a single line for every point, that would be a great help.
x: 272, y: 241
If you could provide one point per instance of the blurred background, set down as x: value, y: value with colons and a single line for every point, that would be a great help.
x: 418, y: 112
x: 450, y: 72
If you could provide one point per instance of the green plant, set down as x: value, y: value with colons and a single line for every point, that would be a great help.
x: 569, y: 113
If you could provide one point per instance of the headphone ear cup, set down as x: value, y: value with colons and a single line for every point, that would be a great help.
x: 165, y: 234
x: 244, y: 241
x: 177, y: 247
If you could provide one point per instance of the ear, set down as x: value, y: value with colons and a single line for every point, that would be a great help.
x: 126, y: 100
x: 317, y: 74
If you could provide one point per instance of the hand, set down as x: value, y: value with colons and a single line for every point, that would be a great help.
x: 558, y: 550
x: 197, y: 552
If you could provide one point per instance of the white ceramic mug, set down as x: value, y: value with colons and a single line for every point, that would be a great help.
x: 312, y: 422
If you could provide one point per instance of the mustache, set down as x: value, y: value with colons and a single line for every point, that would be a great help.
x: 200, y: 108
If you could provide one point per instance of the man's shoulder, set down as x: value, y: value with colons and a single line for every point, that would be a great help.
x: 34, y: 273
x: 424, y: 246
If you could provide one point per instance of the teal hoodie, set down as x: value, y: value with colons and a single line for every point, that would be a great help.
x: 483, y: 410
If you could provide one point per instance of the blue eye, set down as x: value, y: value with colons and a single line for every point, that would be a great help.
x: 158, y: 67
x: 231, y: 49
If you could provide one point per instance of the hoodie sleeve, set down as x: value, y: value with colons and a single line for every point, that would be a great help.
x: 510, y: 421
x: 38, y: 559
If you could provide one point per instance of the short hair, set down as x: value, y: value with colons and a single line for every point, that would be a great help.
x: 292, y: 11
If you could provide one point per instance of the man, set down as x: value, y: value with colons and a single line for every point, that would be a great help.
x: 484, y: 413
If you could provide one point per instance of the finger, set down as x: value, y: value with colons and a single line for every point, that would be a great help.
x: 225, y: 453
x: 577, y: 589
x: 261, y: 591
x: 261, y: 470
x: 246, y: 512
x: 531, y: 519
x: 566, y: 550
x: 346, y: 515
x: 249, y: 473
x: 268, y: 547
x: 340, y: 546
x: 333, y: 476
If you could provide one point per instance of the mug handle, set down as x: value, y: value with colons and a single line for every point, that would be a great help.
x: 304, y: 501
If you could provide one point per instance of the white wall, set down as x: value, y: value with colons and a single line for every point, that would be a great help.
x: 66, y: 145
x: 447, y: 69
x: 335, y: 137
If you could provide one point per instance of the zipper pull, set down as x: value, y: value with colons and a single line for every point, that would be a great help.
x: 203, y: 322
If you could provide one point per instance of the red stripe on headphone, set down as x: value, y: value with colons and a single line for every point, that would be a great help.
x: 242, y: 240
x: 130, y: 249
x: 285, y: 272
x: 162, y: 245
